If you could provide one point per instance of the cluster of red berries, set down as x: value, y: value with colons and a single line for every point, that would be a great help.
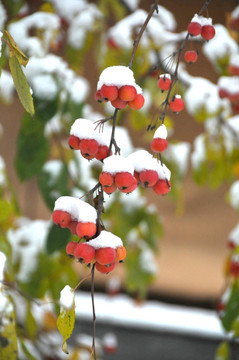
x: 76, y: 215
x: 138, y: 168
x: 85, y: 138
x: 201, y: 25
x: 117, y: 85
x: 105, y: 251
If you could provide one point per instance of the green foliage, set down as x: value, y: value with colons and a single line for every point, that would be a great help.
x: 8, y: 338
x: 232, y: 309
x: 222, y: 352
x: 32, y: 148
x: 57, y: 239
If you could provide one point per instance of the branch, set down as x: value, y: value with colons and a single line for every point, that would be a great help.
x: 93, y: 308
x: 154, y: 8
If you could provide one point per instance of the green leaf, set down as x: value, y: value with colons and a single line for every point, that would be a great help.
x: 232, y: 309
x: 8, y: 338
x: 21, y: 84
x: 3, y: 56
x: 53, y: 185
x: 32, y: 148
x: 21, y: 57
x: 65, y: 324
x: 57, y: 239
x: 31, y: 325
x: 222, y: 352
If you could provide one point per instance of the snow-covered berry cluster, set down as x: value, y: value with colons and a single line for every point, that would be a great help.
x: 200, y: 25
x: 80, y: 217
x: 117, y: 85
x: 85, y: 138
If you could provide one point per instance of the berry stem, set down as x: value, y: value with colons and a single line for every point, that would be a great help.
x: 154, y: 8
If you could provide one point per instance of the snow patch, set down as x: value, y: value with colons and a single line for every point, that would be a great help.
x: 106, y: 239
x: 67, y: 298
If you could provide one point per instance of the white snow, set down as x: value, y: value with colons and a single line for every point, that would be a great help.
x: 179, y: 154
x: 3, y: 180
x: 202, y: 93
x: 77, y: 208
x: 234, y: 235
x: 106, y: 239
x: 54, y: 168
x: 143, y: 160
x: 199, y: 151
x: 132, y: 4
x: 27, y: 241
x: 3, y: 16
x: 67, y: 297
x: 47, y: 22
x: 230, y: 132
x: 234, y: 59
x: 230, y: 84
x: 3, y: 260
x: 161, y: 132
x: 83, y: 129
x: 220, y: 46
x: 116, y: 163
x: 117, y: 76
x: 150, y: 315
x: 235, y: 13
x: 168, y: 76
x: 163, y: 172
x: 44, y: 87
x: 234, y: 195
x: 110, y: 340
x: 147, y: 260
x: 7, y: 87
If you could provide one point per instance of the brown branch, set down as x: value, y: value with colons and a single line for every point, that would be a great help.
x: 154, y: 8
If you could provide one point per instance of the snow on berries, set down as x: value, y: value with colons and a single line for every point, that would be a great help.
x: 117, y: 172
x: 117, y: 85
x: 91, y: 143
x: 164, y: 82
x: 200, y: 25
x: 176, y: 104
x: 150, y: 172
x: 159, y: 142
x: 70, y: 210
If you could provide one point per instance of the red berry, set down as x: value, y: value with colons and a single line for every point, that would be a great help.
x: 109, y: 92
x: 127, y: 93
x: 70, y: 248
x: 105, y: 256
x: 233, y: 70
x: 119, y: 104
x: 223, y: 93
x: 99, y: 98
x: 106, y: 179
x: 234, y: 268
x: 102, y: 152
x: 162, y: 187
x: 176, y: 104
x: 130, y: 188
x: 104, y: 269
x: 148, y: 178
x: 112, y: 44
x: 194, y: 28
x: 74, y: 142
x: 164, y: 82
x: 190, y: 56
x: 72, y: 226
x: 110, y: 189
x: 123, y: 180
x: 84, y: 252
x: 61, y: 218
x: 89, y: 148
x: 137, y: 103
x: 159, y: 145
x: 208, y: 32
x: 120, y: 253
x: 86, y: 230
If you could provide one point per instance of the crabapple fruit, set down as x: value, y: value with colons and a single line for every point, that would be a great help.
x: 194, y: 28
x: 148, y: 178
x: 86, y: 230
x: 176, y: 104
x: 70, y: 248
x: 190, y: 56
x: 123, y: 180
x: 137, y: 103
x: 104, y: 269
x: 127, y: 93
x: 74, y: 142
x: 164, y: 82
x: 61, y: 218
x: 159, y: 145
x: 84, y: 252
x: 109, y: 92
x: 105, y: 256
x: 89, y: 148
x: 106, y: 179
x: 208, y: 32
x: 162, y: 187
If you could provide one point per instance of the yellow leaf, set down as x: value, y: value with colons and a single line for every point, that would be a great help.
x: 65, y: 325
x: 8, y: 339
x: 21, y: 84
x: 22, y: 58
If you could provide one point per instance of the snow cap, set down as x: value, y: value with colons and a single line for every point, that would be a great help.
x: 78, y: 209
x: 161, y: 132
x: 106, y: 239
x: 83, y: 129
x: 116, y: 76
x: 67, y: 298
x: 116, y: 163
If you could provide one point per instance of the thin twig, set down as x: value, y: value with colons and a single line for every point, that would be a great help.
x: 154, y: 8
